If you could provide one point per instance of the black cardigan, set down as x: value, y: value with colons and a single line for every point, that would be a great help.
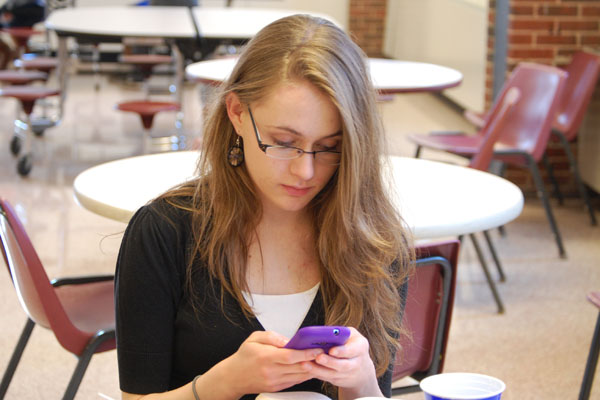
x: 161, y: 343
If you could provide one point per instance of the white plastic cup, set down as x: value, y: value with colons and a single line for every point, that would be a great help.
x: 462, y: 386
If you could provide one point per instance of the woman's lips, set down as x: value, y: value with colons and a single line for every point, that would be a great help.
x: 296, y: 191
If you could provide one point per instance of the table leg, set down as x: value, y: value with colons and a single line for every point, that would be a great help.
x: 179, y: 80
x: 63, y: 65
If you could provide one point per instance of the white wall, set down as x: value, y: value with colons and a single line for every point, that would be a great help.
x: 446, y: 32
x: 336, y: 9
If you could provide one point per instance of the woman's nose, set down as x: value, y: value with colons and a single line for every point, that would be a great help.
x: 303, y: 166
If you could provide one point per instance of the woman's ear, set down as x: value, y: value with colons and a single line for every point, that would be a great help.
x: 234, y: 110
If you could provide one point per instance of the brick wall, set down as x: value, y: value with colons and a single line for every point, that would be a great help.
x: 547, y: 32
x: 367, y: 25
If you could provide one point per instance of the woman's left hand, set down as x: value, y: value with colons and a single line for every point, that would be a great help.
x: 349, y: 367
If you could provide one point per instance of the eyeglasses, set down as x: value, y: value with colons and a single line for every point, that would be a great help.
x: 330, y: 157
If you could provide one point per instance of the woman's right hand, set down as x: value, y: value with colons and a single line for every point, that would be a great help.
x: 261, y: 364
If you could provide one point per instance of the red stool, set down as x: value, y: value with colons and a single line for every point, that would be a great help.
x: 43, y: 64
x: 30, y: 62
x: 27, y: 96
x: 21, y: 35
x: 146, y: 63
x: 12, y: 77
x: 147, y: 110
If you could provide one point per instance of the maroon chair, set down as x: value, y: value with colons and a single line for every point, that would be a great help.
x: 427, y: 314
x: 524, y: 139
x: 583, y: 71
x: 494, y: 127
x: 79, y: 311
x: 592, y: 361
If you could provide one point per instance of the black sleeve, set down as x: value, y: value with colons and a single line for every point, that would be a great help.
x: 147, y: 293
x: 385, y: 381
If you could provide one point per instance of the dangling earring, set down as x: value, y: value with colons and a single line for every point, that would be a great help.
x: 235, y: 156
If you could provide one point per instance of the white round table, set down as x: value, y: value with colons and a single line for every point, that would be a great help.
x: 435, y: 199
x: 388, y: 76
x: 167, y: 22
x: 242, y: 23
x: 116, y: 22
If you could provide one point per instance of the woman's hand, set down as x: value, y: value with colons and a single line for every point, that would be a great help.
x: 349, y: 367
x: 261, y: 364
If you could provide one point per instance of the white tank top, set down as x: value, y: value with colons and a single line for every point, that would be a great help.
x: 282, y: 313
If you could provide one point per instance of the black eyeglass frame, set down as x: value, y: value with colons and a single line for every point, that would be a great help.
x: 300, y: 152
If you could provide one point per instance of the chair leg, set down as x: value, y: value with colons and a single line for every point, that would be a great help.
x: 82, y: 364
x: 553, y: 180
x: 492, y: 248
x: 502, y: 231
x: 77, y: 376
x: 575, y: 170
x: 488, y: 276
x: 501, y: 171
x: 418, y: 152
x: 590, y: 367
x: 16, y: 357
x: 406, y: 390
x: 96, y: 65
x: 541, y: 191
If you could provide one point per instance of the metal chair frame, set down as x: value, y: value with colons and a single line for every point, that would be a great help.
x: 592, y: 361
x: 575, y: 171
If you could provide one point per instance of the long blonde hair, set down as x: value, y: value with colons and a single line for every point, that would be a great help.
x: 362, y: 245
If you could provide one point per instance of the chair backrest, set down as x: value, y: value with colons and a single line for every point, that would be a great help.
x: 428, y: 311
x: 35, y: 292
x: 493, y: 128
x: 583, y: 75
x: 528, y: 128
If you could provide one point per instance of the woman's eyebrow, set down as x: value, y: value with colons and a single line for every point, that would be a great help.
x: 296, y: 133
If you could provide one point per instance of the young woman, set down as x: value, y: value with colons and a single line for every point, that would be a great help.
x: 288, y: 225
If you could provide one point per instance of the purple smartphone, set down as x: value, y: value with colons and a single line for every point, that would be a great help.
x: 324, y: 337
